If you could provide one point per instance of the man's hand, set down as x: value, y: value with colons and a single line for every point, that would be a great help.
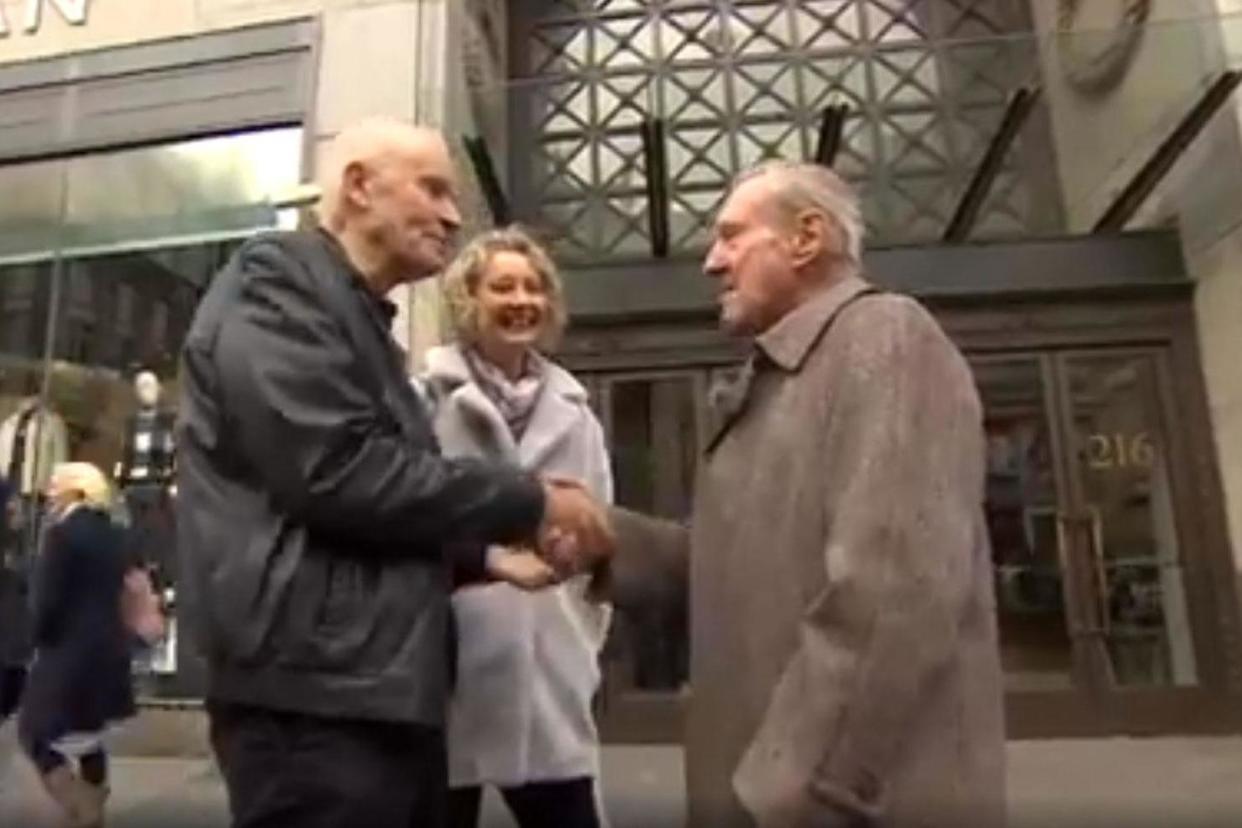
x: 520, y: 568
x: 576, y: 534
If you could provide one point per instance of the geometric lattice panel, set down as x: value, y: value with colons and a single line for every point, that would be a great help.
x: 926, y: 82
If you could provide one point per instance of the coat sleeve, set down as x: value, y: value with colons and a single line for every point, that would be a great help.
x: 598, y: 477
x: 905, y: 451
x: 331, y: 457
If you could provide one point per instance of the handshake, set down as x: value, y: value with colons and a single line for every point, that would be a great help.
x: 574, y: 537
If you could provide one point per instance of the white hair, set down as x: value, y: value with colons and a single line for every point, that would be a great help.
x: 85, y: 480
x: 804, y: 186
x: 361, y: 142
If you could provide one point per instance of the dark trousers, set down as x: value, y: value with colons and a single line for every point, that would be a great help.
x: 561, y: 804
x: 12, y: 683
x: 288, y: 769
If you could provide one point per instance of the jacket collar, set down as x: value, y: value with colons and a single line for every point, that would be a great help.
x: 787, y: 343
x: 385, y: 309
x: 557, y: 412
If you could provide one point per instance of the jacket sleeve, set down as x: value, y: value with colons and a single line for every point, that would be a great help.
x: 331, y: 456
x: 905, y: 442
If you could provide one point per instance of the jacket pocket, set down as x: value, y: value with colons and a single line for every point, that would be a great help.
x: 362, y: 617
x: 330, y: 614
x: 346, y: 590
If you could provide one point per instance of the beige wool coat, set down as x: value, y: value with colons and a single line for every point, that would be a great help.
x: 843, y: 647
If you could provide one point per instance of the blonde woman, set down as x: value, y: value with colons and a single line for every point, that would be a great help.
x: 520, y: 718
x: 80, y: 681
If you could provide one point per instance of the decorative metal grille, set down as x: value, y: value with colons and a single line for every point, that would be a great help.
x: 926, y: 82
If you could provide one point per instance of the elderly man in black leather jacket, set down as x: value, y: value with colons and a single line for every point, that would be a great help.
x: 320, y: 529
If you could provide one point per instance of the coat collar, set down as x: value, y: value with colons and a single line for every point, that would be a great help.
x: 447, y: 364
x: 787, y: 343
x: 557, y: 412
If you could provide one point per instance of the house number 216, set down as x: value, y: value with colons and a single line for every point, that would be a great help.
x: 1120, y: 451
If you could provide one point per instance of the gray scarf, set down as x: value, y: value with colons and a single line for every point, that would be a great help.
x: 515, y: 401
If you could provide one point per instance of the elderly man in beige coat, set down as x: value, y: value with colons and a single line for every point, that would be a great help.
x: 845, y: 669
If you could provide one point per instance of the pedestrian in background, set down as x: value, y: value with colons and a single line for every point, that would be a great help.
x: 527, y: 662
x: 80, y: 682
x: 14, y: 608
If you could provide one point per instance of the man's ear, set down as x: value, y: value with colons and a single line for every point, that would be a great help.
x: 813, y: 237
x: 355, y: 185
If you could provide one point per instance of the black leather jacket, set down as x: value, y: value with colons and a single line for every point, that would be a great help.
x: 315, y: 512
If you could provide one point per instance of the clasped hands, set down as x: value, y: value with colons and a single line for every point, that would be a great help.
x: 574, y: 537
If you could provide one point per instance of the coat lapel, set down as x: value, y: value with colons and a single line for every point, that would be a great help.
x: 484, y: 421
x: 554, y: 418
x: 728, y: 403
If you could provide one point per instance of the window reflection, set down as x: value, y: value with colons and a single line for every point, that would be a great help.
x: 103, y: 259
x: 1021, y: 509
x: 654, y: 440
x: 1123, y: 455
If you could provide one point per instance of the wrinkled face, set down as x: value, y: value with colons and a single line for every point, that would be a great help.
x: 752, y: 259
x: 147, y: 389
x: 408, y: 201
x: 512, y: 302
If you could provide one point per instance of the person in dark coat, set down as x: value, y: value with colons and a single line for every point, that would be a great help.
x: 80, y: 682
x: 14, y: 614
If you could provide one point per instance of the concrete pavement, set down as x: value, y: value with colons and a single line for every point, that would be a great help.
x: 1110, y: 783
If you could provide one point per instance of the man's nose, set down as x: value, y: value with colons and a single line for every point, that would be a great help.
x: 714, y: 264
x: 450, y: 214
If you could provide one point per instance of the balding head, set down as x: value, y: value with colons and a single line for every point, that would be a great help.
x: 389, y: 194
x: 785, y: 232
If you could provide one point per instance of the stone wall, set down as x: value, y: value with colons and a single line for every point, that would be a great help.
x: 1102, y: 139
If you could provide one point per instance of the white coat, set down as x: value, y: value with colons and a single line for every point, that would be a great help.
x: 527, y: 662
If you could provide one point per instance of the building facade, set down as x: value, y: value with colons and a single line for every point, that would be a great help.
x: 1090, y: 281
x: 995, y: 143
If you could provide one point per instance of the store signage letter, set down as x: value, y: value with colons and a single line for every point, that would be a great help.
x: 74, y: 12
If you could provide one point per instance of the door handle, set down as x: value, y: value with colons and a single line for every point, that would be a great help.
x: 1087, y: 601
x: 1096, y: 538
x: 1090, y: 622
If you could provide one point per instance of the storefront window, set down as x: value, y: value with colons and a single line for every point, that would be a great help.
x: 103, y: 259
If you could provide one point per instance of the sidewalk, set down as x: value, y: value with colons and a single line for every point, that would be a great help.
x: 1112, y: 783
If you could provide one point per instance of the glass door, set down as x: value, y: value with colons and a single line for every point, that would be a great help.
x: 1133, y: 619
x: 1025, y: 495
x: 1093, y: 596
x: 654, y: 422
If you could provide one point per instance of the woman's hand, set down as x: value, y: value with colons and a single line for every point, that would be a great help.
x: 520, y: 568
